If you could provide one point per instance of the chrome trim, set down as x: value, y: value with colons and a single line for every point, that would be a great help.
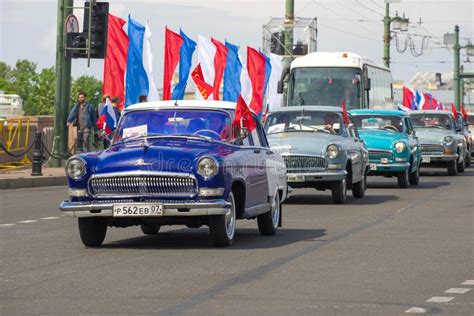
x: 440, y: 157
x: 84, y: 171
x: 296, y: 163
x: 77, y: 192
x: 391, y: 165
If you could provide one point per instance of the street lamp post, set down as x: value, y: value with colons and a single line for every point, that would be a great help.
x: 398, y: 24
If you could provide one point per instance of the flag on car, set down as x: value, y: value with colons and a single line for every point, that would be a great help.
x: 345, y: 116
x: 173, y: 43
x: 204, y: 89
x: 453, y: 110
x: 409, y: 99
x: 257, y: 68
x: 232, y: 73
x: 243, y: 116
x: 148, y: 65
x: 463, y: 112
x: 107, y: 120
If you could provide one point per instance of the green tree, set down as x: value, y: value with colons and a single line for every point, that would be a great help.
x: 91, y: 86
x: 5, y: 77
x: 43, y: 92
x: 22, y: 80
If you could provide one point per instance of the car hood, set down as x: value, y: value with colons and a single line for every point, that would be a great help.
x: 431, y: 135
x: 157, y: 155
x: 378, y: 139
x: 307, y: 143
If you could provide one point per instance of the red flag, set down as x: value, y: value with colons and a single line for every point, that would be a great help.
x: 408, y: 98
x: 345, y: 117
x: 463, y: 112
x: 256, y: 63
x: 219, y: 66
x: 243, y: 117
x: 204, y: 88
x: 455, y: 113
x: 173, y: 42
x: 115, y: 62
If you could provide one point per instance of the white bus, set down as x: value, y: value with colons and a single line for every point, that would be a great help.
x: 324, y: 78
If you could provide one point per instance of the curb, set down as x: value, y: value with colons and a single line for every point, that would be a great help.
x: 32, y: 182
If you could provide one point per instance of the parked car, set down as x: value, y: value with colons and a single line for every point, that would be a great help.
x: 177, y: 163
x: 394, y: 150
x: 320, y: 151
x: 441, y: 143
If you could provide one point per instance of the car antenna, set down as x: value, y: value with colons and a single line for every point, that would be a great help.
x: 176, y: 103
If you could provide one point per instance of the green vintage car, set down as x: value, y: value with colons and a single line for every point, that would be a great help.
x: 394, y: 150
x: 441, y: 141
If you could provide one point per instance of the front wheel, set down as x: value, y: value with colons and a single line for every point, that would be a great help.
x: 358, y: 189
x: 461, y: 166
x: 402, y: 178
x: 268, y: 222
x: 148, y: 229
x: 468, y: 159
x: 415, y: 176
x: 92, y: 231
x: 452, y: 168
x: 339, y: 191
x: 222, y: 227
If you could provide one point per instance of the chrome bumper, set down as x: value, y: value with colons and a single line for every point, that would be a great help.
x: 88, y: 209
x: 333, y: 175
x: 437, y: 157
x: 388, y: 167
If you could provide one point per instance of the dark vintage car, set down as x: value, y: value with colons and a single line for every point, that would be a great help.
x: 320, y: 151
x: 177, y: 163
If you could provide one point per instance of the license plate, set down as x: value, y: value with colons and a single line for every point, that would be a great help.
x: 425, y: 159
x: 292, y: 178
x: 373, y: 166
x: 137, y: 210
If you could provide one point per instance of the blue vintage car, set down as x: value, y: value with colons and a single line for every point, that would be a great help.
x: 320, y: 151
x: 394, y: 150
x: 177, y: 163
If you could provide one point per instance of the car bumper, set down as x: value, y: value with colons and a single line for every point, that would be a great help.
x: 91, y: 209
x: 330, y: 175
x: 384, y: 168
x: 429, y: 158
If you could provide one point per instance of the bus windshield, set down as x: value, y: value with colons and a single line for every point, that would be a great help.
x: 325, y: 86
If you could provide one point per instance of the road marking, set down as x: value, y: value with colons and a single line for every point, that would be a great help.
x: 52, y: 217
x: 440, y: 299
x: 468, y: 282
x: 28, y: 221
x: 416, y: 310
x: 457, y: 290
x: 7, y: 225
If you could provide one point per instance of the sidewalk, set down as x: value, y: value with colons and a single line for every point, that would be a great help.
x: 21, y: 178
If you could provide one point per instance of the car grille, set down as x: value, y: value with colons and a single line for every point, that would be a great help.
x: 431, y: 148
x: 378, y: 154
x: 298, y: 164
x: 143, y: 185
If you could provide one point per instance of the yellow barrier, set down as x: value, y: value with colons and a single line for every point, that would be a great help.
x: 15, y: 141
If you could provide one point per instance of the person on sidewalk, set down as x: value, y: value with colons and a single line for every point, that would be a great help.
x: 84, y: 117
x: 101, y: 122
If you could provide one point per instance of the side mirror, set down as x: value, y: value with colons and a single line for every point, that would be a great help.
x: 367, y: 83
x: 280, y: 87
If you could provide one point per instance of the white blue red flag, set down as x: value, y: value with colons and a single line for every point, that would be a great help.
x: 186, y: 51
x: 409, y: 99
x: 107, y: 120
x: 232, y: 73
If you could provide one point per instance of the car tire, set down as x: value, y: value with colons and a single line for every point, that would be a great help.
x: 339, y: 191
x: 92, y: 231
x: 415, y: 176
x: 222, y: 227
x: 403, y: 180
x: 268, y: 222
x: 452, y: 168
x: 468, y: 160
x: 461, y: 166
x: 149, y: 229
x: 358, y: 189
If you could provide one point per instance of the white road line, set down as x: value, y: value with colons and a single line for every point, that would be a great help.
x: 28, y: 221
x: 468, y: 282
x: 440, y: 299
x: 52, y: 217
x: 416, y: 310
x: 457, y: 290
x: 7, y: 225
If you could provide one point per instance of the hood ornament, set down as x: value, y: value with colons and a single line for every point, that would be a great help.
x: 140, y: 162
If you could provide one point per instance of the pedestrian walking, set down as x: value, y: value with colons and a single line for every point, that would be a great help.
x: 84, y: 117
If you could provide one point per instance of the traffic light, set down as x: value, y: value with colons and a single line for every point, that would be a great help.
x: 98, y: 36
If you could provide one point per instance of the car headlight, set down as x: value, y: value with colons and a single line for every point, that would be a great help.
x: 399, y: 147
x: 448, y: 140
x: 332, y: 151
x: 75, y: 168
x: 207, y: 167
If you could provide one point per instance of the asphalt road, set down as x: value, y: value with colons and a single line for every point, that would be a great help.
x: 396, y: 250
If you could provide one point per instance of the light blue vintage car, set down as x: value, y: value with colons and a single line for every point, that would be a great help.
x: 319, y: 150
x: 440, y: 138
x: 394, y: 150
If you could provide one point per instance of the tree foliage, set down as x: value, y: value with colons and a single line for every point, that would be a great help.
x: 37, y: 89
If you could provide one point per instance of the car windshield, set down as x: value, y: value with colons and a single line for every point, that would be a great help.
x: 432, y: 120
x: 210, y: 124
x: 391, y: 123
x: 325, y: 86
x: 307, y: 121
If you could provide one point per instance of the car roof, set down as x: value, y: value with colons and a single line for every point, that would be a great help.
x: 430, y: 112
x: 378, y: 111
x: 198, y: 104
x: 318, y: 108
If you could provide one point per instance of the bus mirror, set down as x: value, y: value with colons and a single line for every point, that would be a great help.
x: 280, y: 87
x: 367, y: 83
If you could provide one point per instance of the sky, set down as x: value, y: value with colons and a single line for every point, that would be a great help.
x: 28, y: 28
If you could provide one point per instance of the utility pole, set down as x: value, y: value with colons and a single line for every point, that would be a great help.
x: 386, y: 35
x: 63, y: 84
x: 456, y: 78
x: 288, y: 39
